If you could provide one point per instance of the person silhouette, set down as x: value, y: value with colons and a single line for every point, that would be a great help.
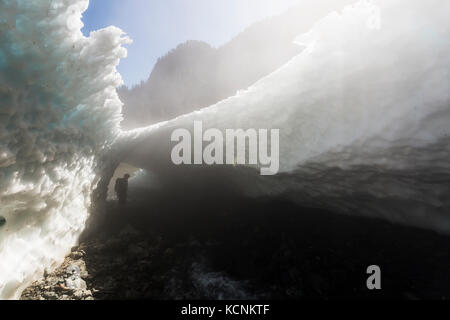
x: 121, y: 188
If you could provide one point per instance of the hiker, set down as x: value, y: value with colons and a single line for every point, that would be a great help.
x: 121, y: 189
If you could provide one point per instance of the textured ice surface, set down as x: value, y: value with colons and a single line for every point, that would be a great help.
x: 58, y: 111
x: 363, y: 113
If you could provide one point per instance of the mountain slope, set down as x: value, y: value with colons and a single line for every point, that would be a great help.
x: 195, y: 75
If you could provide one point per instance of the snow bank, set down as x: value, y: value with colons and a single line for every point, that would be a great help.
x: 363, y: 114
x: 58, y: 111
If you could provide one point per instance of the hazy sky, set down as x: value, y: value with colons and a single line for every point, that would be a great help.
x: 156, y: 26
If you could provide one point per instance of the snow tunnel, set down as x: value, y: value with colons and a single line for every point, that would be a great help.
x: 363, y: 115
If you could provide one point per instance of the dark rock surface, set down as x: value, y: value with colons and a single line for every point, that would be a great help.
x: 254, y: 250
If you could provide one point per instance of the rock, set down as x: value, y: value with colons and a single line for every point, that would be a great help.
x: 410, y: 296
x: 294, y: 292
x: 62, y: 286
x: 76, y: 255
x: 78, y: 294
x: 319, y: 283
x: 87, y: 292
x: 53, y: 280
x: 131, y: 279
x: 110, y: 244
x: 119, y: 260
x: 136, y: 250
x: 50, y: 295
x: 76, y: 283
x: 131, y: 294
x: 294, y: 274
x: 128, y: 231
x: 80, y: 268
x: 73, y: 270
